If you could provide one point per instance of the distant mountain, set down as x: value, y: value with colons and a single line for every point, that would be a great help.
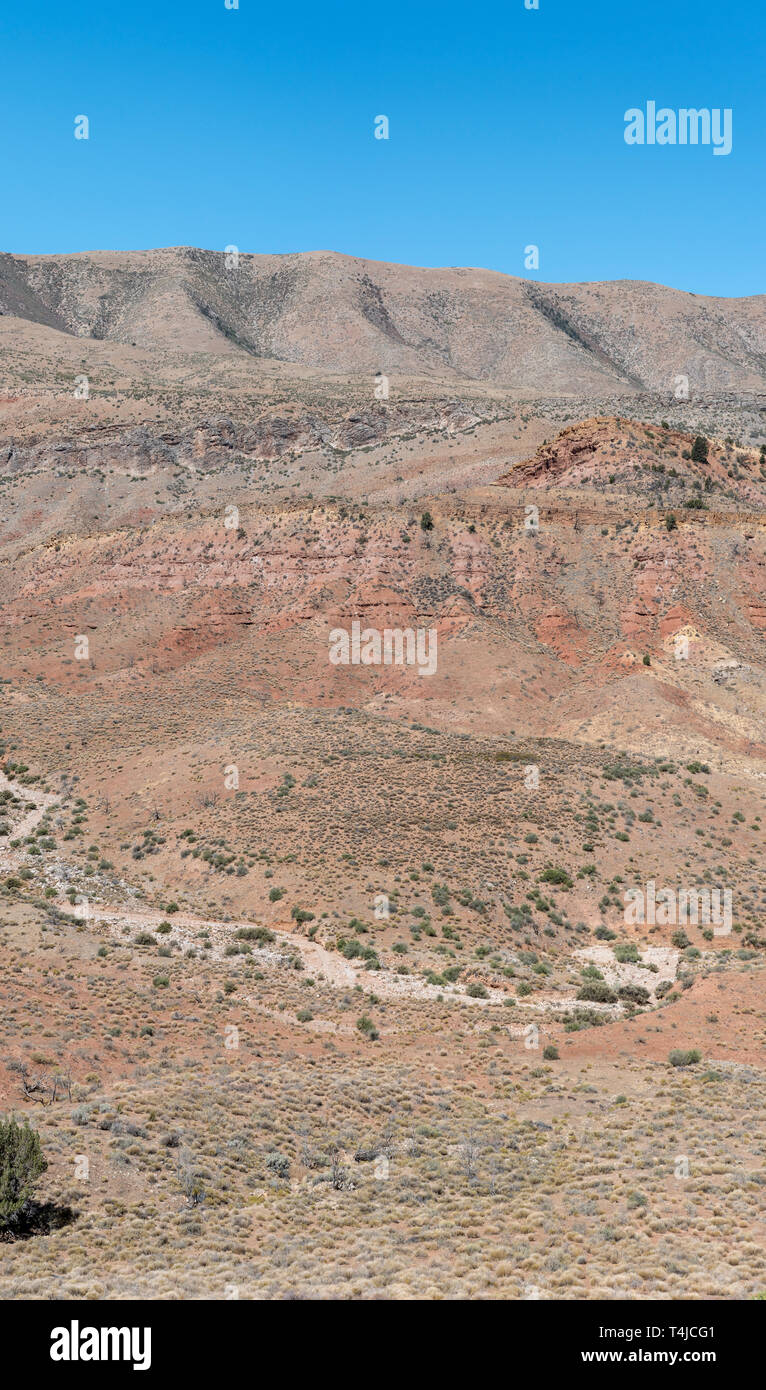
x: 343, y: 314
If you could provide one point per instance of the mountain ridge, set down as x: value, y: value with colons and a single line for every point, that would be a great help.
x: 348, y: 314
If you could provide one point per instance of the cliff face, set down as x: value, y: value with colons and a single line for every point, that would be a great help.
x: 547, y: 588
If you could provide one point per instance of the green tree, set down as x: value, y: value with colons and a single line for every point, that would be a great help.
x: 21, y: 1163
x: 426, y: 522
x: 699, y: 449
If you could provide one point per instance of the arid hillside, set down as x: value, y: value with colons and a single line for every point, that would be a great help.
x: 318, y: 978
x: 342, y: 314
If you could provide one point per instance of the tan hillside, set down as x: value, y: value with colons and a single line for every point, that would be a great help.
x: 343, y: 314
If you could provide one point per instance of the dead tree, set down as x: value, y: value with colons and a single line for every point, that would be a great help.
x: 470, y: 1151
x: 33, y: 1088
x: 338, y: 1174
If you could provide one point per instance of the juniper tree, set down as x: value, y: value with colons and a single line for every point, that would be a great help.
x: 21, y: 1163
x: 699, y: 449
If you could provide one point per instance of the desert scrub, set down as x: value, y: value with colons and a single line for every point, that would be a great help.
x: 367, y: 1028
x: 278, y: 1164
x: 633, y: 994
x: 684, y: 1058
x: 557, y: 876
x: 596, y: 992
x: 626, y: 952
x: 260, y: 934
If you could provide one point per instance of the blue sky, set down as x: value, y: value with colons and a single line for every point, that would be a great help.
x: 254, y: 127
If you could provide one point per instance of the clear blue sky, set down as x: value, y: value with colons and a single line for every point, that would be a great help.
x: 254, y: 127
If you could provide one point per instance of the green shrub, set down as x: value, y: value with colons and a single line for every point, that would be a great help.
x: 596, y: 992
x: 556, y: 876
x: 278, y: 1164
x: 633, y: 994
x: 626, y: 952
x: 353, y: 949
x: 583, y: 1018
x: 366, y: 1026
x: 260, y: 934
x: 680, y: 1058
